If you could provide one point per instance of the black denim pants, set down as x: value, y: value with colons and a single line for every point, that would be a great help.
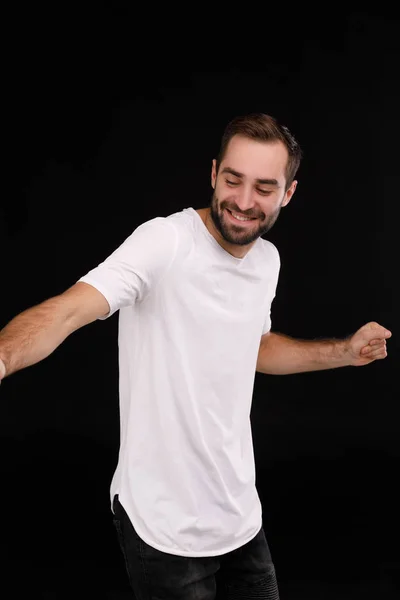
x: 244, y: 573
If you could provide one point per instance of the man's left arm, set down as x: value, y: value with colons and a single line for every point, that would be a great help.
x: 282, y: 355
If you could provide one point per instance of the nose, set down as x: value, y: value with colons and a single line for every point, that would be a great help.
x: 245, y: 200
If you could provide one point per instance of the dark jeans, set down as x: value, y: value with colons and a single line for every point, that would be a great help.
x: 245, y: 573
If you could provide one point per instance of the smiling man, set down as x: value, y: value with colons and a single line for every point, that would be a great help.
x: 194, y: 293
x: 252, y: 181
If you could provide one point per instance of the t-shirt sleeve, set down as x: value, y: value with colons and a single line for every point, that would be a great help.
x: 136, y: 267
x: 273, y: 282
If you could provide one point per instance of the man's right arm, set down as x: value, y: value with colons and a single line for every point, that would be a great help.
x: 35, y: 333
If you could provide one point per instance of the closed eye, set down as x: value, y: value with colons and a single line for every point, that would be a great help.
x: 236, y: 183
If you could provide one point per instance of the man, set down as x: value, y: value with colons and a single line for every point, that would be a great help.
x: 194, y: 291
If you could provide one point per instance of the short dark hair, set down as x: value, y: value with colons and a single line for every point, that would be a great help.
x: 264, y: 128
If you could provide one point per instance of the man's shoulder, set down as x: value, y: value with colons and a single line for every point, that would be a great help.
x: 270, y: 249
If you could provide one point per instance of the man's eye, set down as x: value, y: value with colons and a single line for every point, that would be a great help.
x: 229, y: 182
x: 264, y: 192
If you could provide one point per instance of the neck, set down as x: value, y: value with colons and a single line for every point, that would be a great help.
x: 233, y: 249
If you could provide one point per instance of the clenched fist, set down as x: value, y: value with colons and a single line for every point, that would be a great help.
x: 2, y: 370
x: 368, y: 344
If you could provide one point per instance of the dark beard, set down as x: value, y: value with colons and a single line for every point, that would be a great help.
x: 240, y: 237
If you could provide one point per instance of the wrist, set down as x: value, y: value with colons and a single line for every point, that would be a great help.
x: 342, y: 350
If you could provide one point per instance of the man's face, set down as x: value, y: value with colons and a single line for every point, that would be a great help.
x: 250, y: 183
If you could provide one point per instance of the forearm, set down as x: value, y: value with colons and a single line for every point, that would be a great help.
x: 33, y: 334
x: 283, y: 355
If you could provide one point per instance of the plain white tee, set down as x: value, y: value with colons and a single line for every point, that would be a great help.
x: 190, y: 321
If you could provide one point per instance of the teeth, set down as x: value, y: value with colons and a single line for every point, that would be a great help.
x: 240, y: 218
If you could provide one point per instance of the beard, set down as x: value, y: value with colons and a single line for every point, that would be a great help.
x: 240, y: 235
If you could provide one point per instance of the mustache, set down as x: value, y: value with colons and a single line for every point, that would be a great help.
x: 217, y: 204
x: 240, y: 212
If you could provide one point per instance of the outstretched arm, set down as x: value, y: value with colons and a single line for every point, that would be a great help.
x: 36, y: 332
x: 282, y: 355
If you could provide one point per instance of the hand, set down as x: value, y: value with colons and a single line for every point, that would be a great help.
x: 2, y: 370
x: 368, y: 344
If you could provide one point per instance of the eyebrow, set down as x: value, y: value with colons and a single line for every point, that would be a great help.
x: 241, y: 175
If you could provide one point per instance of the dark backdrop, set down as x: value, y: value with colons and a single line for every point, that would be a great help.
x: 113, y: 118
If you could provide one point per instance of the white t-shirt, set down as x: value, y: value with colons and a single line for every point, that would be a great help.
x: 191, y: 316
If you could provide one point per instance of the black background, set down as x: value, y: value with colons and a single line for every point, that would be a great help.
x: 112, y: 117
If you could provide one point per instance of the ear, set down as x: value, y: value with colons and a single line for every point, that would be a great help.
x: 213, y: 173
x: 289, y: 193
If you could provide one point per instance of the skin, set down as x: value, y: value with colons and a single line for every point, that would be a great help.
x: 50, y: 322
x: 245, y: 194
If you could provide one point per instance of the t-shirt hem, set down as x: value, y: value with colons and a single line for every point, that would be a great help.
x: 196, y: 554
x: 178, y: 552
